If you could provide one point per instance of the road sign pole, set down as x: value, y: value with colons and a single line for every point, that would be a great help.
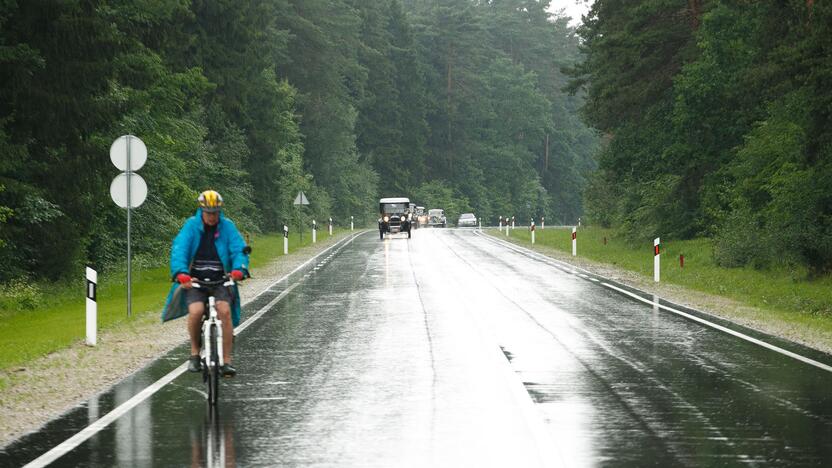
x: 129, y: 210
x: 128, y: 153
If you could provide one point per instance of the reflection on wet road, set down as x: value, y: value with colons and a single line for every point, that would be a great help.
x: 449, y: 349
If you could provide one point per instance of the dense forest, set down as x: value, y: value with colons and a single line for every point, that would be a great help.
x: 716, y: 117
x: 454, y: 103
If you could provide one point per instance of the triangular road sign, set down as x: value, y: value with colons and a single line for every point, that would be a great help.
x: 301, y: 199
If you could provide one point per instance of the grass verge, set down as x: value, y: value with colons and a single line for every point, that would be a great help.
x: 57, y: 320
x: 783, y: 294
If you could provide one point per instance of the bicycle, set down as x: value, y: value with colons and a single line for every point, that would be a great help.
x: 210, y: 352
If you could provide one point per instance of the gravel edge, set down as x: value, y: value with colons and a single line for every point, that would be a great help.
x: 729, y: 309
x: 54, y: 384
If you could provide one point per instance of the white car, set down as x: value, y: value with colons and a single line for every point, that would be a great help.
x: 467, y: 219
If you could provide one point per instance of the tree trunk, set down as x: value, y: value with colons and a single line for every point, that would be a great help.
x: 449, y: 91
x: 695, y: 8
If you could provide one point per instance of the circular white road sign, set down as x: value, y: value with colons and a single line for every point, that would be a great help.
x: 138, y: 153
x: 138, y: 190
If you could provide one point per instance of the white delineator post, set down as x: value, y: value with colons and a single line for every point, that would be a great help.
x: 92, y: 307
x: 314, y: 231
x: 512, y: 223
x: 542, y: 222
x: 500, y: 224
x: 506, y: 225
x: 352, y: 224
x: 574, y: 241
x: 285, y: 240
x: 656, y: 257
x: 480, y: 224
x: 330, y: 226
x: 531, y: 228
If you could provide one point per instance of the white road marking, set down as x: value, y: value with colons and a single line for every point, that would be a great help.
x: 750, y: 339
x: 716, y: 326
x: 70, y: 444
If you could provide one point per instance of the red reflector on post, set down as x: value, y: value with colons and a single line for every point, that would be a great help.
x: 655, y: 249
x: 574, y: 236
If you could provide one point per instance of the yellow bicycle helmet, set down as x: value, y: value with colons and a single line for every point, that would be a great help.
x: 210, y: 201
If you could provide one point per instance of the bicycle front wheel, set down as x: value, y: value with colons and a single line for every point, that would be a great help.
x: 213, y: 368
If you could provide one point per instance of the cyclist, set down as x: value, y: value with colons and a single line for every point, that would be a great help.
x: 207, y: 247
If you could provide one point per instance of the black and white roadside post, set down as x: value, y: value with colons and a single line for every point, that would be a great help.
x: 542, y: 223
x: 314, y: 231
x: 574, y: 241
x: 480, y: 223
x: 500, y: 224
x: 285, y: 240
x: 656, y: 258
x: 92, y: 307
x: 128, y: 153
x: 330, y: 227
x: 506, y: 221
x: 531, y: 228
x: 512, y: 223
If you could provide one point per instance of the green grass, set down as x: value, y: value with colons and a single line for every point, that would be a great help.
x: 58, y: 318
x: 787, y: 294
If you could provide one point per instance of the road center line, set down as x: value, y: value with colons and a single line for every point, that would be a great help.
x: 70, y: 444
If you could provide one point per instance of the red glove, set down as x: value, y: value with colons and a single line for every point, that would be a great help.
x: 236, y: 275
x: 183, y: 278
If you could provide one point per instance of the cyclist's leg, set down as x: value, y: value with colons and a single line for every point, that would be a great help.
x: 195, y: 311
x: 224, y: 314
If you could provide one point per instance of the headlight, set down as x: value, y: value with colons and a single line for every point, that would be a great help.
x: 386, y: 219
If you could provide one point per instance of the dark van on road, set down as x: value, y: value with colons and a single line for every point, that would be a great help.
x: 394, y: 216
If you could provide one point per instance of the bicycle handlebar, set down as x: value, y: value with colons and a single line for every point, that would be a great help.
x: 226, y: 280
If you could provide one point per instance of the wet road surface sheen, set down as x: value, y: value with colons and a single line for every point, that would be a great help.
x: 449, y: 349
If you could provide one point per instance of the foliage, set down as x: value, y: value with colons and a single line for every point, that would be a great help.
x: 459, y: 102
x: 435, y: 194
x: 718, y: 120
x: 18, y: 295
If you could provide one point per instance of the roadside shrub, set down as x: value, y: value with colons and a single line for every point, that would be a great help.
x: 19, y: 294
x: 739, y: 241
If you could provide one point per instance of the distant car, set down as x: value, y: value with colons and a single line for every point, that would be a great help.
x: 466, y: 219
x: 394, y: 216
x: 436, y: 217
x: 421, y: 216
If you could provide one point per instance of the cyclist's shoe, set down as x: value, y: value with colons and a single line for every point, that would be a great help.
x: 194, y: 364
x: 228, y: 370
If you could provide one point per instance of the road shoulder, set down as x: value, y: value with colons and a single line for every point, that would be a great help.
x: 50, y: 386
x: 729, y: 309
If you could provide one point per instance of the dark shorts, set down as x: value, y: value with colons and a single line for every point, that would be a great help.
x: 221, y: 294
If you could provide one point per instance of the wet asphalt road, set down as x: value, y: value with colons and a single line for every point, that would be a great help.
x: 450, y: 349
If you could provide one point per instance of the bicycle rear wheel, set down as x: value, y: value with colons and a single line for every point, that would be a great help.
x: 213, y: 368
